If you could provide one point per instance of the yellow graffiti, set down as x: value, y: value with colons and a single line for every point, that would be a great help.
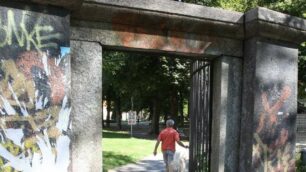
x: 264, y: 148
x: 36, y: 38
x: 12, y: 148
x: 282, y: 157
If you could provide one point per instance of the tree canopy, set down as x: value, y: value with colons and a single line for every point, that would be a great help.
x: 292, y: 7
x: 160, y: 84
x: 150, y: 80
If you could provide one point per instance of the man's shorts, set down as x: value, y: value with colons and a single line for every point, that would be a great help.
x: 168, y: 156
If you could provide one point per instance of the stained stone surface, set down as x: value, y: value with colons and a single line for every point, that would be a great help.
x: 269, y: 107
x: 226, y: 109
x: 86, y: 106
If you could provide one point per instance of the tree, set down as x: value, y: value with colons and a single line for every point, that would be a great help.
x: 292, y: 7
x: 154, y: 82
x: 112, y: 64
x: 302, y: 72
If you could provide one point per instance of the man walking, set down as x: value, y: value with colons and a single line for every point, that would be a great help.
x: 168, y: 137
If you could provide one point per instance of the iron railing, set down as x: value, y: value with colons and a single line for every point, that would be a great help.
x: 200, y: 117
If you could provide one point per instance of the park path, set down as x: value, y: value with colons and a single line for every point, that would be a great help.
x: 149, y: 164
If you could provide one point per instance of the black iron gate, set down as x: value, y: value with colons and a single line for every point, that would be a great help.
x: 200, y: 117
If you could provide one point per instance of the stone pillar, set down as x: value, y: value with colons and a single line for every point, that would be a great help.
x: 269, y: 97
x: 226, y: 114
x: 86, y: 100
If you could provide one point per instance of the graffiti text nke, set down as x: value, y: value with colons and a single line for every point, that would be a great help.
x: 37, y: 37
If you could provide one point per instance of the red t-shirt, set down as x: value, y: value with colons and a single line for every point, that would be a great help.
x: 168, y: 136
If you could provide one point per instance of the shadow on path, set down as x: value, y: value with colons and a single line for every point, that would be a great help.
x: 117, y: 159
x: 149, y: 164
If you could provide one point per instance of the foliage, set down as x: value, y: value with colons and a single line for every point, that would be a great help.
x: 144, y: 78
x: 119, y: 149
x: 112, y: 64
x: 299, y: 164
x: 302, y: 72
x: 292, y: 7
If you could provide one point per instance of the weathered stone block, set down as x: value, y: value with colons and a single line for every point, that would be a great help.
x: 226, y: 112
x: 86, y: 106
x: 269, y: 107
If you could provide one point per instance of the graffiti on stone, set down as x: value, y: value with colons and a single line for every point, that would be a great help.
x: 34, y: 91
x: 160, y: 39
x: 273, y: 138
x: 36, y: 37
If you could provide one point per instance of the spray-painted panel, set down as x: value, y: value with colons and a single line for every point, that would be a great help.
x: 275, y: 108
x: 34, y: 90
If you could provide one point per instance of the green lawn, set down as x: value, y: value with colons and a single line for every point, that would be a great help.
x: 119, y: 149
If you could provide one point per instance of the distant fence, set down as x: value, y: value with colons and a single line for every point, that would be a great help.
x: 301, y: 128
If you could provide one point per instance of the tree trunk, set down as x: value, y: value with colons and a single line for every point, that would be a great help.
x: 174, y: 107
x: 151, y: 112
x: 155, y: 116
x: 103, y: 115
x: 165, y: 118
x: 137, y: 116
x: 118, y: 112
x: 108, y: 108
x: 114, y: 113
x: 181, y: 109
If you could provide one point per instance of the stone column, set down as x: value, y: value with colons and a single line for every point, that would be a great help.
x: 86, y: 101
x: 269, y: 97
x: 226, y: 109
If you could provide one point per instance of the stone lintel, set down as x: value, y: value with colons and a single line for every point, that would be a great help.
x: 119, y: 37
x: 164, y: 15
x: 265, y: 23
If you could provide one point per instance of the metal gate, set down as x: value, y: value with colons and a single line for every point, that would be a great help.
x: 200, y: 117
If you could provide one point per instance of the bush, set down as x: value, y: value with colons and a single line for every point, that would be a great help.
x: 299, y: 164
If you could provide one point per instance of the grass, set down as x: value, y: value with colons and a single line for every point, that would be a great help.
x: 119, y: 149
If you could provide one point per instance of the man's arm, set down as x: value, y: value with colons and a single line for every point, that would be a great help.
x: 177, y: 139
x: 156, y: 146
x: 181, y: 144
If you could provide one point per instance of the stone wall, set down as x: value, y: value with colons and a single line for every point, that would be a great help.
x: 35, y: 77
x: 34, y: 89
